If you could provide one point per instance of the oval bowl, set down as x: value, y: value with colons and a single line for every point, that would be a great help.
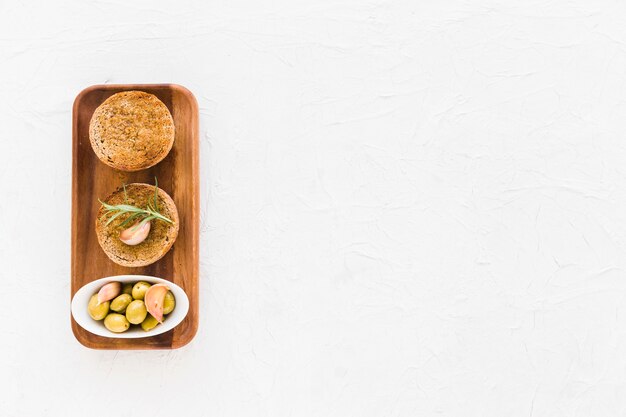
x: 81, y: 299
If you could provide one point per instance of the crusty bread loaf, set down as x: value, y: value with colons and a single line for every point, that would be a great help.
x: 160, y: 239
x: 131, y: 131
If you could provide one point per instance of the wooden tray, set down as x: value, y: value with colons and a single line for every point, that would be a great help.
x: 177, y: 175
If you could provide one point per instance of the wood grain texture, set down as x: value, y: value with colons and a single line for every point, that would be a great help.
x: 177, y: 175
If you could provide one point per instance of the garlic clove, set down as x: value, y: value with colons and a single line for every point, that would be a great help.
x: 109, y: 291
x: 135, y: 234
x: 154, y: 299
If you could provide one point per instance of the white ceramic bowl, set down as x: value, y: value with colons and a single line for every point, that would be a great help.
x: 81, y: 299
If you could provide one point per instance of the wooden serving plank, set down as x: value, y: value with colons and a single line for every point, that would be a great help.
x: 177, y: 175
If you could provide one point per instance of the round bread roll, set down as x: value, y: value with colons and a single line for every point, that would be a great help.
x: 160, y: 238
x: 131, y: 131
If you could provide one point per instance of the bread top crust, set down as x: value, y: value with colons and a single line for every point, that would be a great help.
x: 131, y: 131
x: 160, y: 239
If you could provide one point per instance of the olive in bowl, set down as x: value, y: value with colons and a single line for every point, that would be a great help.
x: 104, y: 307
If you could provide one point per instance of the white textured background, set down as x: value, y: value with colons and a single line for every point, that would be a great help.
x: 408, y: 208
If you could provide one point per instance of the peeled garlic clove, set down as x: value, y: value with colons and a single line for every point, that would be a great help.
x: 154, y: 299
x: 135, y: 234
x: 109, y: 291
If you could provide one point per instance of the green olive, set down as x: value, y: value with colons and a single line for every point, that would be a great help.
x: 97, y: 311
x: 127, y: 288
x: 139, y: 290
x: 136, y: 312
x: 116, y: 323
x: 120, y: 303
x: 169, y: 303
x: 149, y: 323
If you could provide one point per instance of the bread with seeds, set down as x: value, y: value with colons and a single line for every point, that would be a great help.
x: 131, y: 131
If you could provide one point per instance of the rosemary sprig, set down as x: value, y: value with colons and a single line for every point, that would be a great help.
x: 143, y: 215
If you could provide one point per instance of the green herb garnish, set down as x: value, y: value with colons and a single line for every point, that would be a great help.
x: 142, y: 215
